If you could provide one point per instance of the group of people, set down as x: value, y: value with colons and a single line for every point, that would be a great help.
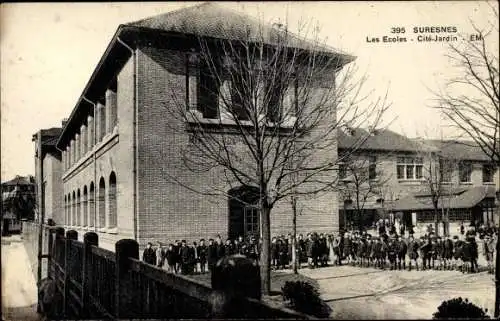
x: 188, y: 258
x: 387, y: 250
x: 428, y: 251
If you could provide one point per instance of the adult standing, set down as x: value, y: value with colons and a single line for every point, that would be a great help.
x: 488, y: 251
x: 211, y: 254
x: 149, y: 254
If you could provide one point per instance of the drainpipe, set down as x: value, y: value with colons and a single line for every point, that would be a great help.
x: 94, y: 143
x: 135, y: 138
x: 41, y: 210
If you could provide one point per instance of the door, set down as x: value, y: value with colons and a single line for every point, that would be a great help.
x: 251, y: 221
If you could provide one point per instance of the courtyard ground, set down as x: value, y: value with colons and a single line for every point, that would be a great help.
x: 19, y: 291
x: 367, y: 293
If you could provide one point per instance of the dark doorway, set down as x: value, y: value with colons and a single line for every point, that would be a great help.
x: 244, y: 216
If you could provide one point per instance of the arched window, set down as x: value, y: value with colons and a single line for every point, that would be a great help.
x: 112, y: 221
x: 78, y: 209
x: 91, y: 205
x: 101, y: 204
x: 73, y: 209
x: 85, y: 208
x: 65, y: 210
x: 68, y: 211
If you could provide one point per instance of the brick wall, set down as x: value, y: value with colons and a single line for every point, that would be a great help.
x: 168, y: 210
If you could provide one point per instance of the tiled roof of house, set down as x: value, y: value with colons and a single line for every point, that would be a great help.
x: 207, y: 20
x: 386, y: 140
x: 381, y: 140
x: 19, y: 180
x: 460, y: 198
x: 213, y: 20
x: 465, y: 150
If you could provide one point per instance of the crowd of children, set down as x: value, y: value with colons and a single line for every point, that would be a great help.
x: 385, y: 251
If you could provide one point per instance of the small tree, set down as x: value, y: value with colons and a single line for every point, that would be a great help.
x: 361, y: 180
x: 437, y: 172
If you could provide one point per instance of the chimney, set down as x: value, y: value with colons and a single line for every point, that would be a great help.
x: 64, y: 121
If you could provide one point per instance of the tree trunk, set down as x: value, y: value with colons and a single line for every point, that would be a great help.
x: 497, y: 263
x: 294, y: 240
x: 436, y: 222
x: 265, y: 257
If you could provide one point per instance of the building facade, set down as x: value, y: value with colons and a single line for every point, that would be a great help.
x: 48, y: 175
x: 400, y: 176
x: 121, y: 153
x: 18, y: 203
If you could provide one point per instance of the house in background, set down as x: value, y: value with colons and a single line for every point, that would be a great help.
x: 398, y: 173
x: 48, y: 175
x: 120, y: 150
x: 383, y: 166
x: 18, y: 203
x: 466, y: 182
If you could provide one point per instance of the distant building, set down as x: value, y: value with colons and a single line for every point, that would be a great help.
x: 406, y: 168
x: 48, y: 175
x: 18, y: 202
x: 115, y: 180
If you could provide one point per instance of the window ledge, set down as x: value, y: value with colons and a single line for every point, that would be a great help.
x: 411, y: 181
x: 465, y: 183
x: 488, y: 183
x: 196, y: 117
x: 102, y: 229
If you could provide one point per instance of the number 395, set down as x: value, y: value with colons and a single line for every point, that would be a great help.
x: 398, y: 30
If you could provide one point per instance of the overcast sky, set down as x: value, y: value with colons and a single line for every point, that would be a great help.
x: 48, y: 52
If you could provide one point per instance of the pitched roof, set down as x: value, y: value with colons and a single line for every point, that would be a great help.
x: 460, y: 198
x: 465, y: 150
x: 213, y: 20
x: 19, y: 180
x: 382, y: 140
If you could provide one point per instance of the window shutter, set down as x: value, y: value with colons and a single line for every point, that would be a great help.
x: 225, y: 103
x: 192, y: 76
x: 290, y: 100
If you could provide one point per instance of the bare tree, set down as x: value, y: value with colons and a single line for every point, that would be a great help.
x: 267, y: 108
x: 361, y: 181
x: 470, y: 101
x: 437, y: 175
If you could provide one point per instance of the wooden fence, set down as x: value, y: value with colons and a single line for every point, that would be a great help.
x: 95, y: 283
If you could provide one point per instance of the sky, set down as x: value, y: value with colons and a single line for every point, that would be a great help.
x: 49, y: 50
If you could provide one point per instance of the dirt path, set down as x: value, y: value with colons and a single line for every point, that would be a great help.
x: 19, y: 292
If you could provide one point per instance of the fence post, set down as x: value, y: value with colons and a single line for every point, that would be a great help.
x: 124, y: 250
x: 89, y: 239
x: 50, y: 254
x: 70, y: 235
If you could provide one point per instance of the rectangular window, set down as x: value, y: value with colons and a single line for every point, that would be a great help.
x: 418, y: 171
x: 342, y: 171
x: 208, y: 94
x: 401, y: 171
x: 464, y: 172
x: 238, y: 94
x: 409, y: 168
x: 372, y: 167
x: 445, y: 170
x: 488, y: 173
